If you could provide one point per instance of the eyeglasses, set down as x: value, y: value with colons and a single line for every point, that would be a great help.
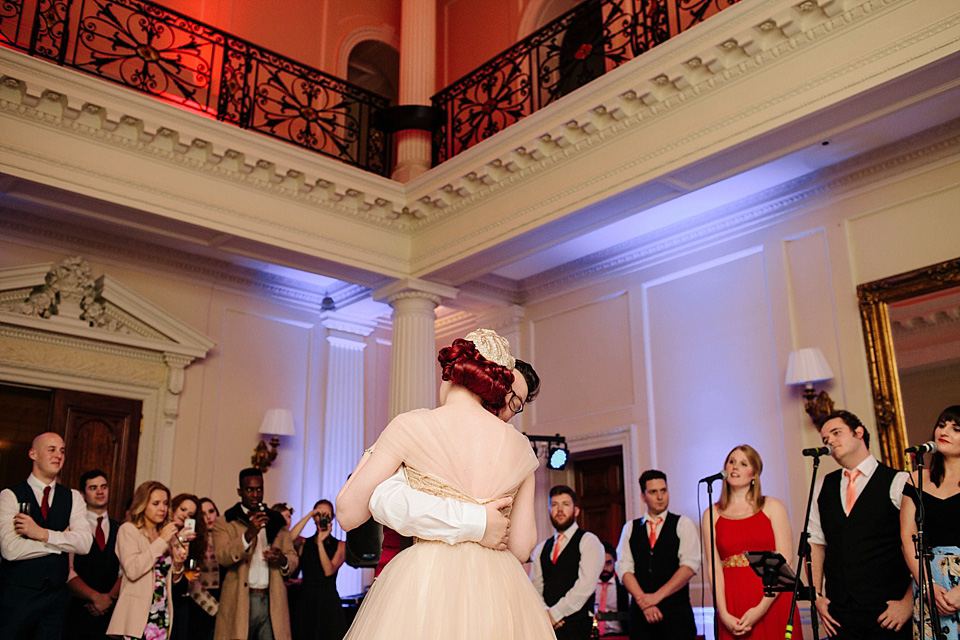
x: 515, y: 403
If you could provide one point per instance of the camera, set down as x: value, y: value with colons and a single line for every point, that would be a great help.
x: 262, y: 508
x: 323, y: 522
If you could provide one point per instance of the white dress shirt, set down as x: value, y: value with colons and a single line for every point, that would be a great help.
x: 77, y: 539
x: 591, y: 566
x: 689, y: 552
x: 866, y: 469
x: 611, y: 627
x: 258, y: 576
x: 92, y: 520
x: 414, y: 513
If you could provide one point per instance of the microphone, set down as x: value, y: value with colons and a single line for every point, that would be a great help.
x: 926, y: 447
x: 717, y: 476
x: 816, y: 452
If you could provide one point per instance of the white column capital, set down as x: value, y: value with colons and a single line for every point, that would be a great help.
x: 414, y: 288
x: 337, y: 321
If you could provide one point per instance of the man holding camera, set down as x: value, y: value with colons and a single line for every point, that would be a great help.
x: 254, y: 550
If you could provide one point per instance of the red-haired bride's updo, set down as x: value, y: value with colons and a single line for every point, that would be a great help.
x: 462, y: 364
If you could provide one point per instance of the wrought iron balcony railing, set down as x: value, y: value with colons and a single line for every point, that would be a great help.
x: 180, y: 60
x: 579, y: 46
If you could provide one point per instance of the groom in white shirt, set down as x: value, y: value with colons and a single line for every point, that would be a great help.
x: 414, y: 513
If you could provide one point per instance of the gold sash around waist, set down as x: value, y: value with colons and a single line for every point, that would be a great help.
x: 738, y: 560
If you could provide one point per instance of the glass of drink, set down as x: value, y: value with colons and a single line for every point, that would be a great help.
x: 24, y: 507
x: 190, y: 570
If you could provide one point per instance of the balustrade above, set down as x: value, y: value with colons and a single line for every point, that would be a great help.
x: 185, y: 62
x: 591, y: 39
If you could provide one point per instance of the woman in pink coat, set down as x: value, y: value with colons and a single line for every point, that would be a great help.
x: 151, y: 557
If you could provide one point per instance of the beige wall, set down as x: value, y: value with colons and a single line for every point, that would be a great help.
x: 693, y: 351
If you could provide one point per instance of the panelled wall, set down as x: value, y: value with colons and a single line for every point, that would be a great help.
x: 691, y: 353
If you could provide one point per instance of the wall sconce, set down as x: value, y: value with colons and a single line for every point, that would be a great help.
x: 806, y: 366
x: 276, y: 422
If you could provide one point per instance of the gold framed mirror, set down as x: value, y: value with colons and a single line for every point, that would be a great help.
x: 876, y: 299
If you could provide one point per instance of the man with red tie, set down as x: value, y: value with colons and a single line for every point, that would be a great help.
x: 41, y: 521
x: 855, y: 540
x: 659, y: 553
x: 566, y: 568
x: 94, y: 578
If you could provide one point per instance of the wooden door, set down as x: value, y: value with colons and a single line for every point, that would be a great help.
x: 599, y: 478
x: 100, y: 432
x: 24, y: 414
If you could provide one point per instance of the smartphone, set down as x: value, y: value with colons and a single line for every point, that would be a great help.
x: 189, y: 524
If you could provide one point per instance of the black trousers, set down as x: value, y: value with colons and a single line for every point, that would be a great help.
x: 677, y: 624
x: 575, y: 627
x: 860, y: 623
x: 32, y: 614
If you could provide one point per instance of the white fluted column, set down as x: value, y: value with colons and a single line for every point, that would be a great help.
x: 343, y: 428
x: 418, y: 80
x: 413, y: 363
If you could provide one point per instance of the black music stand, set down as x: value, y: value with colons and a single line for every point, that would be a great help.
x: 776, y: 574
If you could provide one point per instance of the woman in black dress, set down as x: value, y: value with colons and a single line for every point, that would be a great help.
x: 320, y: 615
x: 941, y: 503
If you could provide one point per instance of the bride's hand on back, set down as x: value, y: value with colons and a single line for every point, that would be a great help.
x: 497, y: 532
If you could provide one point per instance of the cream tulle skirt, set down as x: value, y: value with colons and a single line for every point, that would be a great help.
x: 437, y: 591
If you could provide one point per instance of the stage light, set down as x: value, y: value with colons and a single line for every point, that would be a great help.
x: 557, y: 457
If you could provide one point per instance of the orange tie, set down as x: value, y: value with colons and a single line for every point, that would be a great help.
x: 653, y: 522
x: 601, y: 625
x: 556, y: 549
x: 851, y: 488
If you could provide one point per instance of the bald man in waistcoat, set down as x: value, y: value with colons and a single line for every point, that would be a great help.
x: 35, y: 545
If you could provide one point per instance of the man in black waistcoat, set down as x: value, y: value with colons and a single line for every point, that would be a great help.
x: 94, y: 578
x: 566, y: 568
x: 659, y: 553
x: 34, y: 545
x: 855, y: 540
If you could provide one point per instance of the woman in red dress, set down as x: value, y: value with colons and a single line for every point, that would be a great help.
x: 746, y: 520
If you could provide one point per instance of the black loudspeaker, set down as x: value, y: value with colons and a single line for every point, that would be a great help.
x: 364, y: 544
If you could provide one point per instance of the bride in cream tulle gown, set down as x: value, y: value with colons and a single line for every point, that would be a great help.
x: 461, y: 450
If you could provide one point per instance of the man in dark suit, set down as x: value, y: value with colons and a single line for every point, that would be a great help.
x: 855, y: 540
x: 41, y: 522
x: 94, y: 579
x: 566, y: 567
x: 613, y: 601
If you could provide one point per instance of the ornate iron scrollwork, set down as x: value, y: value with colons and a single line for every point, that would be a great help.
x: 176, y: 59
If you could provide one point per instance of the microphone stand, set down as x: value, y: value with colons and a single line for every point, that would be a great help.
x: 804, y: 554
x: 924, y: 555
x: 713, y: 565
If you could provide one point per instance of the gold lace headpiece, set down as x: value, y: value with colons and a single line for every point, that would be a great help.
x: 493, y: 347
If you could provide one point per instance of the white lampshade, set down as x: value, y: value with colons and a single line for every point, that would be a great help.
x: 278, y: 422
x: 807, y: 365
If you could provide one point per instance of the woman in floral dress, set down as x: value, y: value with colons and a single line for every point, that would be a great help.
x: 151, y: 557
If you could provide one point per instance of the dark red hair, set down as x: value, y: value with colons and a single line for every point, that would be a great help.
x: 462, y: 364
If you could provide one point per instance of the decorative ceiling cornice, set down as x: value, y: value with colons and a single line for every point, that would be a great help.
x: 757, y: 211
x: 75, y: 239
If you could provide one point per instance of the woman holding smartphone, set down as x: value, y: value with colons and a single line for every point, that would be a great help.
x: 152, y: 560
x: 191, y: 535
x: 320, y: 614
x: 205, y: 590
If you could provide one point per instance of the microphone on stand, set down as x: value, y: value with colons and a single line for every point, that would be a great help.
x: 717, y: 476
x: 926, y: 447
x: 816, y: 452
